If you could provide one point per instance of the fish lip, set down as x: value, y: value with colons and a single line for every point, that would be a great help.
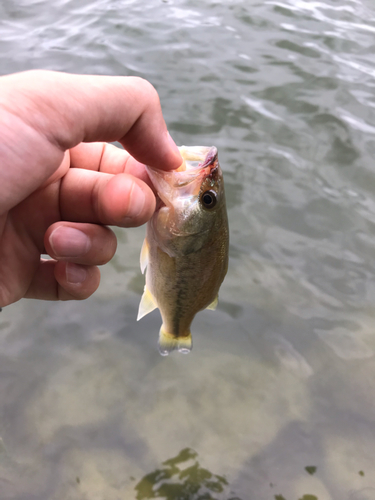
x: 205, y: 155
x: 211, y: 157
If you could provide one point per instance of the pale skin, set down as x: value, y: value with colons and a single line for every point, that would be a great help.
x: 61, y: 184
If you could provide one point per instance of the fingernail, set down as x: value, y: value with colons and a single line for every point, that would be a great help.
x: 136, y: 202
x: 69, y: 242
x: 75, y: 274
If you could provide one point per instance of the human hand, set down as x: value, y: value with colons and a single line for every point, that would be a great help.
x: 59, y: 188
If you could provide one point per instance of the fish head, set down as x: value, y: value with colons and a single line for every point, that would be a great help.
x: 191, y: 201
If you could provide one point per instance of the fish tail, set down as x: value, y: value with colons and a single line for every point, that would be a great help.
x: 169, y: 343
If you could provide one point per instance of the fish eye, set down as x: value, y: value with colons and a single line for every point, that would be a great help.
x: 209, y: 199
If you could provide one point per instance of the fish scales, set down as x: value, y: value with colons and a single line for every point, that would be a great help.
x: 184, y: 293
x: 186, y: 245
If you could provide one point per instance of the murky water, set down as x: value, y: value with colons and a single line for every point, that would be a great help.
x: 277, y: 399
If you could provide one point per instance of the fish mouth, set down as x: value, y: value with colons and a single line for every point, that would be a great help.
x: 184, y: 183
x: 197, y: 157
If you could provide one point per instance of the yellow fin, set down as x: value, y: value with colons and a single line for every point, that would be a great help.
x: 147, y: 304
x: 213, y: 304
x: 144, y: 255
x: 169, y: 343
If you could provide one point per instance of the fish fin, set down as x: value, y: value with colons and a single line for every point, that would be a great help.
x: 147, y: 304
x: 144, y: 255
x: 213, y: 304
x: 169, y: 343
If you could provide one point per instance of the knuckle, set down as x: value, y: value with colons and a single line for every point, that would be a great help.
x: 149, y: 91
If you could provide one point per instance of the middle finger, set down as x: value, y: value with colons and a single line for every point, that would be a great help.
x: 97, y: 197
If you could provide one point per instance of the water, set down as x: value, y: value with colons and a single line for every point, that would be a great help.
x: 276, y: 401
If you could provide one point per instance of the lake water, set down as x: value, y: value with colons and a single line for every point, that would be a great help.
x: 277, y: 399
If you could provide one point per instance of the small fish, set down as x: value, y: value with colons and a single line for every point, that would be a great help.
x: 186, y: 245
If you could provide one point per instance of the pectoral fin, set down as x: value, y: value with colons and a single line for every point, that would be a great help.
x: 144, y: 255
x: 147, y: 304
x: 213, y: 304
x: 169, y: 343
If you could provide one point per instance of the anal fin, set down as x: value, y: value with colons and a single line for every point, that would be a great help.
x: 213, y: 304
x: 147, y: 304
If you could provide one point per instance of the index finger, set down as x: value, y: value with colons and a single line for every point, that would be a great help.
x: 46, y: 113
x: 70, y: 109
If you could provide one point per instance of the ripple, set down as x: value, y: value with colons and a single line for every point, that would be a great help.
x: 290, y: 358
x: 345, y: 344
x: 260, y: 108
x: 356, y: 122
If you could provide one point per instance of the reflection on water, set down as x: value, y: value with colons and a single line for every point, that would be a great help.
x: 305, y: 497
x: 311, y: 469
x: 182, y: 478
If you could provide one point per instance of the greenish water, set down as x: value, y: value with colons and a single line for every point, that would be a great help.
x: 277, y: 399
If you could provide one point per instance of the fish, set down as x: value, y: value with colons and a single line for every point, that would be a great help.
x: 185, y: 250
